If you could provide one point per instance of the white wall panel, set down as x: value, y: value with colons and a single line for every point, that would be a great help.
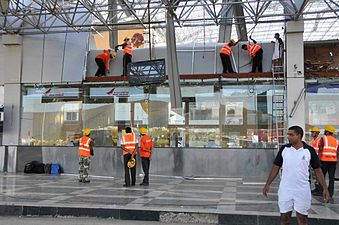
x: 75, y: 55
x: 54, y: 51
x: 32, y: 59
x: 2, y: 54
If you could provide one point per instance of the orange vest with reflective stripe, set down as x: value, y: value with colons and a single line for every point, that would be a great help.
x: 329, y: 152
x: 226, y: 49
x: 253, y: 49
x: 315, y: 144
x: 128, y: 49
x: 146, y: 146
x: 106, y: 57
x: 85, y: 146
x: 129, y: 143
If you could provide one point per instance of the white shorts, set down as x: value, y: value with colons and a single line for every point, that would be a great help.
x: 292, y: 200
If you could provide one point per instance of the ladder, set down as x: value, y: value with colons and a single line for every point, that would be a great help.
x: 279, y: 105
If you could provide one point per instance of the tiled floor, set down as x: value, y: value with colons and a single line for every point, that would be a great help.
x: 204, y: 196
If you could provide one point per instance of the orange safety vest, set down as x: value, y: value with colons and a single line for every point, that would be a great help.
x: 253, y: 49
x: 329, y: 152
x: 315, y: 144
x: 129, y: 143
x: 146, y: 146
x: 128, y: 49
x: 85, y: 146
x: 106, y: 57
x: 226, y: 49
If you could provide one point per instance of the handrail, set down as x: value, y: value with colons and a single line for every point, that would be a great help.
x: 296, y: 103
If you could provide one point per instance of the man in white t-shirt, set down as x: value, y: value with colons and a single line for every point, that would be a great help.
x: 294, y: 190
x: 277, y: 58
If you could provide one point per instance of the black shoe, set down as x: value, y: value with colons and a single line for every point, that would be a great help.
x: 86, y: 181
x: 133, y: 184
x: 125, y: 185
x: 144, y: 184
x: 80, y: 180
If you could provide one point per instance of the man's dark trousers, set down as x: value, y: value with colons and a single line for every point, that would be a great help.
x: 145, y: 166
x: 127, y: 157
x: 257, y: 61
x: 330, y: 168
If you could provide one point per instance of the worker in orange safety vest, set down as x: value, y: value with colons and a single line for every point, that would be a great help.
x: 146, y: 147
x: 315, y: 131
x: 85, y: 152
x: 256, y: 52
x: 129, y: 150
x: 102, y: 60
x: 127, y: 47
x: 225, y: 56
x: 328, y: 155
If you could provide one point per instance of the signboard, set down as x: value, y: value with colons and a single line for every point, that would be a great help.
x: 54, y: 92
x: 111, y: 92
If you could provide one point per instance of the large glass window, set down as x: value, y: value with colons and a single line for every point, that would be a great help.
x: 321, y: 106
x: 50, y: 116
x: 211, y: 116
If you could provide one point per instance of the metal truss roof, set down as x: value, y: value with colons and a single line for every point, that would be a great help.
x: 267, y: 16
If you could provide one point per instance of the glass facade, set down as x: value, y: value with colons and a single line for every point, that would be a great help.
x: 212, y: 116
x: 322, y: 107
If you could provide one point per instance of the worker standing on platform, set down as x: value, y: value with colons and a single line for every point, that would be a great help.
x: 315, y: 144
x: 277, y: 58
x: 85, y: 152
x: 225, y: 56
x: 127, y: 47
x: 129, y: 150
x: 146, y: 147
x: 294, y: 189
x: 328, y: 154
x: 256, y: 53
x: 102, y: 60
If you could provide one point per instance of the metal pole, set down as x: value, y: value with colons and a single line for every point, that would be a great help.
x: 149, y: 29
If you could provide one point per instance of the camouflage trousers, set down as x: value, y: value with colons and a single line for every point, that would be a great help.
x: 84, y: 163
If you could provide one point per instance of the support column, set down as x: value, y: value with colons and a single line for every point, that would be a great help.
x: 12, y: 49
x: 295, y: 73
x: 113, y: 35
x: 172, y: 62
x: 225, y: 28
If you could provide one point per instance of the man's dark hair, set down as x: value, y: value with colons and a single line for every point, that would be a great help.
x: 128, y: 130
x: 277, y: 34
x: 297, y: 130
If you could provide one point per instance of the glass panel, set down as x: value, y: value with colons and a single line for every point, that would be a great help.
x: 205, y: 111
x: 322, y: 107
x: 204, y: 137
x: 50, y: 116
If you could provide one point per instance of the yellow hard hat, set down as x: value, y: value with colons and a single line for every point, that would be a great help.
x: 127, y: 38
x: 87, y: 132
x: 143, y: 130
x: 131, y: 163
x: 330, y: 128
x: 315, y: 129
x: 113, y: 54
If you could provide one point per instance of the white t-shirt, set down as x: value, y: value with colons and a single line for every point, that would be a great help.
x: 295, y: 166
x: 278, y: 49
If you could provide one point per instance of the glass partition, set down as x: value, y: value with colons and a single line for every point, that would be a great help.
x: 321, y: 107
x: 211, y: 116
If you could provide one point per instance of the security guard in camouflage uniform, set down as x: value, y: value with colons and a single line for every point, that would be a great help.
x: 85, y: 152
